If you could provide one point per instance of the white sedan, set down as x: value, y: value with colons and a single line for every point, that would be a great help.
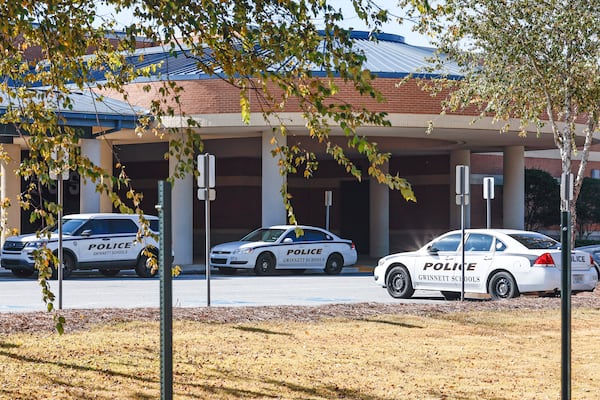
x: 500, y: 262
x: 285, y: 247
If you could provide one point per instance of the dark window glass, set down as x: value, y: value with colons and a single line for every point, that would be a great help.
x: 95, y: 226
x: 263, y: 235
x: 535, y: 240
x: 447, y: 243
x: 479, y: 242
x: 122, y: 226
x: 315, y: 236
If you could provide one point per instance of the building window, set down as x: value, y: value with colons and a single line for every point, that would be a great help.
x: 596, y: 173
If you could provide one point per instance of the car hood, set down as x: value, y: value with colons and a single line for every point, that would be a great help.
x: 32, y: 237
x: 396, y: 255
x: 230, y: 246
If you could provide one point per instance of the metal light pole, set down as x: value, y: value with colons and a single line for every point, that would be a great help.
x: 566, y: 194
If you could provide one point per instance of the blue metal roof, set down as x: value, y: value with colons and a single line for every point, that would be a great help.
x: 89, y: 110
x: 387, y: 57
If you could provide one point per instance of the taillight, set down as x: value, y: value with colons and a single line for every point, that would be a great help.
x: 352, y: 246
x: 545, y: 260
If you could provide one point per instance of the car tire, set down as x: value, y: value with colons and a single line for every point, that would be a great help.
x: 334, y: 264
x: 22, y: 273
x: 142, y: 269
x: 265, y: 264
x: 399, y: 283
x: 451, y: 296
x: 502, y: 286
x: 68, y: 267
x: 109, y: 272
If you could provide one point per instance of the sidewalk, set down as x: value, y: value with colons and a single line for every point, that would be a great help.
x: 364, y: 264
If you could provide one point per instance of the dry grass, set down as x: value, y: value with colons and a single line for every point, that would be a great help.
x: 501, y: 355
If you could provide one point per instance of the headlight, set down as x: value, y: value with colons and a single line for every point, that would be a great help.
x: 245, y: 250
x: 35, y: 245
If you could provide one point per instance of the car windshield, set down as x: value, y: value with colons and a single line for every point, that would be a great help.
x: 263, y: 235
x: 68, y: 226
x: 535, y: 241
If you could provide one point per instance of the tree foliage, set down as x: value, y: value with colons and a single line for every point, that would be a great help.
x: 588, y: 207
x: 265, y: 48
x: 535, y: 62
x: 542, y: 200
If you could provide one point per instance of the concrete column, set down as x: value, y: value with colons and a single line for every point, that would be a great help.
x: 10, y: 187
x: 273, y: 209
x: 379, y: 218
x: 182, y: 214
x: 99, y: 151
x: 458, y: 157
x: 513, y: 200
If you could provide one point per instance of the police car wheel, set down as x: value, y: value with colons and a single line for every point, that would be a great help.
x: 265, y: 264
x: 502, y: 286
x: 68, y: 266
x: 109, y: 272
x: 22, y: 273
x: 399, y: 284
x: 143, y: 268
x: 334, y: 264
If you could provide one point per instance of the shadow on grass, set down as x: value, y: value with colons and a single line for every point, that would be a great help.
x: 394, y: 323
x: 279, y: 389
x: 74, y: 367
x: 4, y: 345
x: 259, y: 330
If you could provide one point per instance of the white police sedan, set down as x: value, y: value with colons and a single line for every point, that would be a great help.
x: 285, y: 247
x: 500, y: 262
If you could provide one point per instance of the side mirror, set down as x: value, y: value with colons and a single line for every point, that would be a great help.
x: 288, y: 240
x: 432, y: 250
x: 87, y: 232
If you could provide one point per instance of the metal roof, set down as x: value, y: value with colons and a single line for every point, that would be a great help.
x: 87, y: 110
x: 387, y: 56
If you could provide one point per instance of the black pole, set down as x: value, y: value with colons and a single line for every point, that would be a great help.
x: 565, y: 240
x: 166, y: 291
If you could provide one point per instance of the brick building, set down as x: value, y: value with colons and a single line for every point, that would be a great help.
x: 380, y: 221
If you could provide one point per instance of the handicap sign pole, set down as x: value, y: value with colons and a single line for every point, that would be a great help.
x: 488, y: 195
x: 60, y: 156
x: 206, y: 193
x: 462, y: 199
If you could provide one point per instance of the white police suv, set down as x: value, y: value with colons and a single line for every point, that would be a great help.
x: 90, y: 241
x: 499, y: 262
x: 285, y: 247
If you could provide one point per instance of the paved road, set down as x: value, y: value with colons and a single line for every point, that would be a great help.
x: 92, y: 290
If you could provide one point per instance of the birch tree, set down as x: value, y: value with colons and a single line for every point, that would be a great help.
x: 534, y: 61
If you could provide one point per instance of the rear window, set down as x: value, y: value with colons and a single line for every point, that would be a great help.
x: 535, y: 241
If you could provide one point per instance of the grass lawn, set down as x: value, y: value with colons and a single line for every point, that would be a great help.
x: 497, y: 355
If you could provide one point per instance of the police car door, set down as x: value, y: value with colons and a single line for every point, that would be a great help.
x: 438, y: 268
x: 92, y: 242
x: 479, y: 254
x: 304, y: 251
